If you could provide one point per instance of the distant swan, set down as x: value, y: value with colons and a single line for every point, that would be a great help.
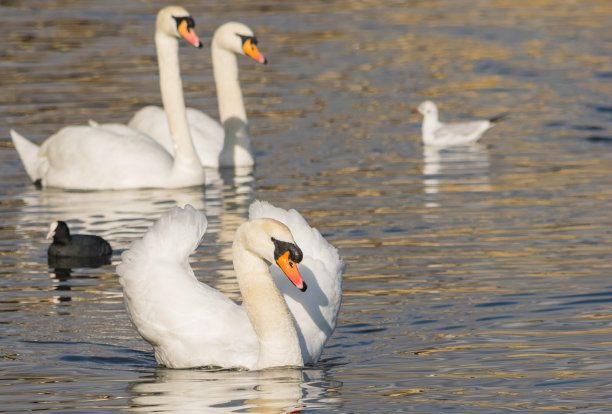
x: 285, y: 318
x: 437, y: 133
x: 228, y: 143
x: 114, y: 156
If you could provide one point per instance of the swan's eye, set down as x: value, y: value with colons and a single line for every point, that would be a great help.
x: 188, y: 19
x: 282, y: 247
x: 244, y: 39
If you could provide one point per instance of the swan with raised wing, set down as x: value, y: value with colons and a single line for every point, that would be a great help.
x: 289, y: 276
x: 218, y: 144
x: 115, y: 156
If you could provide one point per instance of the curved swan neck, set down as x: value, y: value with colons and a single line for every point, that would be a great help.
x: 237, y: 142
x: 229, y: 93
x: 265, y: 306
x: 171, y: 87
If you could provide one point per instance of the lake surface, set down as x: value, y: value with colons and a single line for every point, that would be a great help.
x: 479, y: 279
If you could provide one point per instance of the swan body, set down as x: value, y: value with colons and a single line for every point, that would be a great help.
x: 207, y: 133
x: 115, y: 156
x: 217, y: 144
x: 190, y: 324
x: 436, y: 133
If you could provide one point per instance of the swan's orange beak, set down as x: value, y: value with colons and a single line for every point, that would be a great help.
x: 250, y: 48
x: 289, y: 267
x: 189, y: 34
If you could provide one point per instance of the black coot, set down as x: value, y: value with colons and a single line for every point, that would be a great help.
x: 77, y: 245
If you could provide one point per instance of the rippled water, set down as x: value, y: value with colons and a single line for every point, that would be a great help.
x: 478, y: 279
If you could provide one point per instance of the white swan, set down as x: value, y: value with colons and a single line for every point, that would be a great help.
x: 436, y: 133
x: 281, y: 322
x: 114, y: 156
x: 218, y: 144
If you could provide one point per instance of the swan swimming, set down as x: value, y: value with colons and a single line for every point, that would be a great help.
x: 289, y: 276
x: 115, y: 156
x: 218, y: 144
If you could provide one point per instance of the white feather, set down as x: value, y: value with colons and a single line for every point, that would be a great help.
x: 190, y: 324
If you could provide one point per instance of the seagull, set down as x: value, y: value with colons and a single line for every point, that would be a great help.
x: 436, y: 133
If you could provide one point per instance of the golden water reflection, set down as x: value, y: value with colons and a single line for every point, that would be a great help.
x: 477, y: 278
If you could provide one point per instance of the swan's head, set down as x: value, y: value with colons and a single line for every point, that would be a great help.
x: 272, y: 241
x: 238, y: 38
x: 427, y: 108
x: 175, y: 21
x: 58, y: 230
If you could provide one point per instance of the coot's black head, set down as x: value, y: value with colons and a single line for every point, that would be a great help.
x: 59, y: 231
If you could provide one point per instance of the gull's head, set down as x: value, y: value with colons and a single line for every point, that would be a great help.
x: 427, y: 108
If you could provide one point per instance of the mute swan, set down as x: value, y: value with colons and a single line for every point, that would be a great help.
x: 114, y: 156
x: 190, y: 324
x: 228, y: 143
x: 76, y: 245
x: 437, y: 133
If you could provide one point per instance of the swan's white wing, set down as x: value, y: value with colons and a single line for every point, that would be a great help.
x: 316, y: 310
x: 188, y: 323
x: 86, y: 157
x: 29, y: 152
x: 152, y: 121
x: 208, y: 136
x: 206, y: 133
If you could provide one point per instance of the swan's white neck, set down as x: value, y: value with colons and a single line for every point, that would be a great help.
x: 237, y: 144
x: 265, y: 307
x: 186, y: 161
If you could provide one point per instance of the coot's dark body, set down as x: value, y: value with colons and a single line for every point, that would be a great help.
x: 78, y: 245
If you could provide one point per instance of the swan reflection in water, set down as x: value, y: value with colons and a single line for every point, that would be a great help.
x: 117, y: 216
x: 279, y: 390
x: 122, y: 216
x: 462, y: 168
x: 229, y: 193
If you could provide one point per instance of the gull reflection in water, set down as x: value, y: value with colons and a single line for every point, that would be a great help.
x: 455, y: 169
x: 279, y: 390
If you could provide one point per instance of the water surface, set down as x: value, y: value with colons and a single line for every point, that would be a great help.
x: 478, y: 278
